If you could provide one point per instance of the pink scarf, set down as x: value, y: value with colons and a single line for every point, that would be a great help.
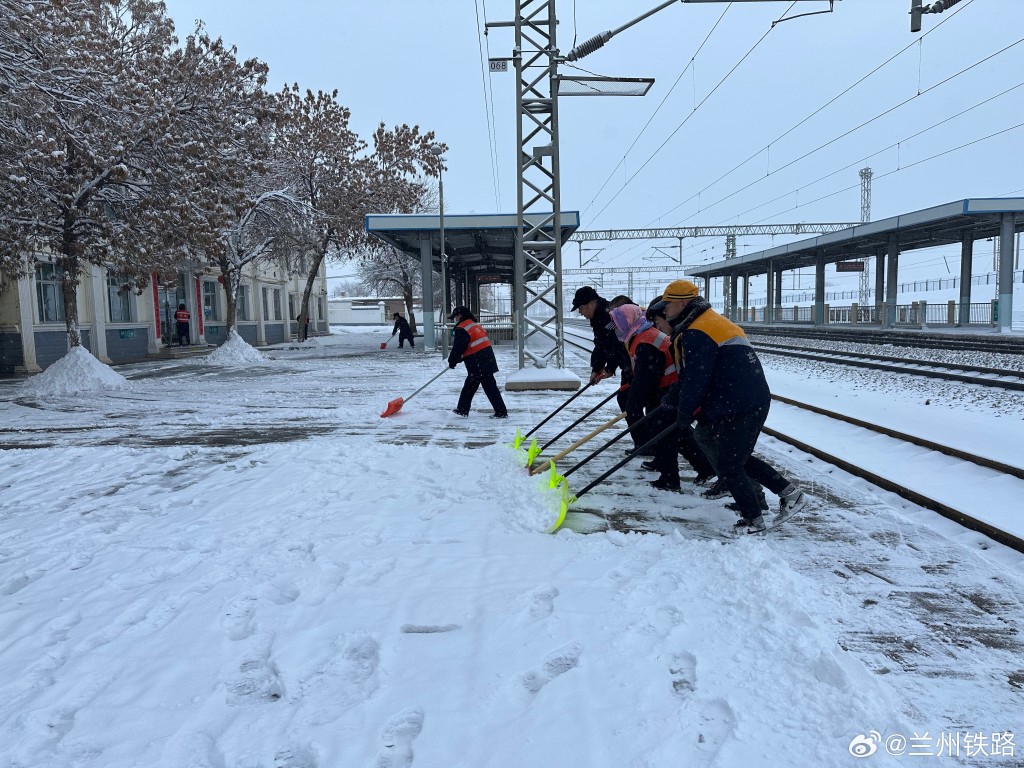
x: 627, y: 321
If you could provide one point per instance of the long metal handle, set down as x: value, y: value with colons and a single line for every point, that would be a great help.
x: 633, y: 454
x: 443, y: 371
x: 583, y: 418
x: 612, y: 442
x: 577, y: 444
x: 559, y: 408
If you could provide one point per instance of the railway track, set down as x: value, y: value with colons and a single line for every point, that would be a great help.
x: 990, y: 377
x: 959, y: 463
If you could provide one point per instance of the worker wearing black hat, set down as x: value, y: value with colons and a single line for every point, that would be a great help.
x: 609, y: 353
x: 472, y: 347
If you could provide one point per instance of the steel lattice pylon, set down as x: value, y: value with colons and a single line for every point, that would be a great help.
x: 538, y: 248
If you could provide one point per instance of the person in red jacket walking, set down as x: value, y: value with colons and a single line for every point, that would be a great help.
x: 181, y: 319
x: 472, y: 347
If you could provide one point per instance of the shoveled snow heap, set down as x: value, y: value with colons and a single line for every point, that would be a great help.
x: 78, y: 371
x: 235, y: 351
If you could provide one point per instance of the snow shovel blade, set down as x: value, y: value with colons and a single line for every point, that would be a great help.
x: 393, y: 407
x: 383, y: 345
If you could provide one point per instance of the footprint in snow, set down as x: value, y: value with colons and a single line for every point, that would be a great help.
x: 398, y: 735
x: 349, y: 677
x: 555, y: 664
x: 542, y: 602
x: 295, y: 757
x: 79, y: 560
x: 708, y: 725
x: 57, y: 629
x: 683, y: 668
x: 19, y: 582
x: 258, y: 680
x: 237, y: 618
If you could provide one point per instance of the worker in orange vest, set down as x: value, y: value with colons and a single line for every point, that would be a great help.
x: 181, y: 318
x: 653, y: 372
x: 472, y: 347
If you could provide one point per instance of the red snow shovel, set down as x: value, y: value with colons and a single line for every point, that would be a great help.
x: 384, y: 344
x: 396, y: 405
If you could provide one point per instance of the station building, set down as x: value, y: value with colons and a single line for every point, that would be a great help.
x: 120, y: 326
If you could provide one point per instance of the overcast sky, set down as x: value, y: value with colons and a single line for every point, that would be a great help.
x: 719, y: 98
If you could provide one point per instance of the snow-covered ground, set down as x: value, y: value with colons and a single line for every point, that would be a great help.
x: 241, y: 564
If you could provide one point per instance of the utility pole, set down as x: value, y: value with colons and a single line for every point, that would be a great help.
x: 865, y: 217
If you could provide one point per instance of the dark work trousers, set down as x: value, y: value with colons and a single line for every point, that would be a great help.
x: 622, y: 397
x: 693, y: 451
x: 403, y: 339
x: 666, y: 457
x: 183, y: 334
x: 735, y: 436
x: 490, y: 389
x: 704, y: 435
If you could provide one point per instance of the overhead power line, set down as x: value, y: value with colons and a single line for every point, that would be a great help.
x: 817, y: 111
x: 689, y: 66
x: 691, y: 114
x: 488, y: 104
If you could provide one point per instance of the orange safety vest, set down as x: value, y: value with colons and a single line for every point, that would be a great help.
x: 656, y: 338
x: 477, y: 337
x: 182, y: 315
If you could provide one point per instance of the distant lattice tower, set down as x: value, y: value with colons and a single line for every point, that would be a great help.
x: 730, y: 253
x: 865, y: 216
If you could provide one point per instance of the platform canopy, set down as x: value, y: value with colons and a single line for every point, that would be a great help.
x: 941, y: 225
x: 479, y: 245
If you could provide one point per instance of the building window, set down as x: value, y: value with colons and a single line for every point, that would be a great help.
x: 271, y: 303
x: 242, y: 305
x: 48, y: 292
x: 210, y: 300
x: 119, y: 297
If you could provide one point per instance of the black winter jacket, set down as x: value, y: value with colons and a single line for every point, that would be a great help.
x: 479, y: 364
x: 719, y: 370
x: 609, y: 353
x: 402, y: 327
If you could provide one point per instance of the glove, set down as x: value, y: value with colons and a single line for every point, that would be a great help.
x: 683, y: 420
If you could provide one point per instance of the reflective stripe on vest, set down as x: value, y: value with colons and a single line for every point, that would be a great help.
x: 182, y: 315
x: 663, y: 343
x: 477, y: 337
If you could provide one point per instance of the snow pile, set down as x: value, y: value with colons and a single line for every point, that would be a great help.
x: 78, y: 371
x: 235, y: 351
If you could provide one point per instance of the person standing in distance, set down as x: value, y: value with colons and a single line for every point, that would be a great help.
x: 403, y: 330
x: 181, y: 320
x: 723, y: 377
x: 472, y: 347
x: 609, y: 353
